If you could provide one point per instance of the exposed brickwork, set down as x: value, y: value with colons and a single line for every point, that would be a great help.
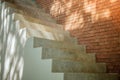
x: 95, y: 23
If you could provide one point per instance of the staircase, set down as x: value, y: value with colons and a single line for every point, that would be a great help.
x: 65, y: 58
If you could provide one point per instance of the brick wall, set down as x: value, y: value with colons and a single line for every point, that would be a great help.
x: 95, y: 23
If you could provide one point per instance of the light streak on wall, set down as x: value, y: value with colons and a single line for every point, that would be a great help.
x: 91, y: 7
x: 112, y: 1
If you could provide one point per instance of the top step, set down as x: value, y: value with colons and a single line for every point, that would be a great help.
x: 32, y: 11
x: 30, y: 16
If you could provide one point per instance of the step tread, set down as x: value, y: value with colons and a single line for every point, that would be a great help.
x: 90, y: 76
x: 48, y: 53
x: 73, y: 66
x: 58, y: 44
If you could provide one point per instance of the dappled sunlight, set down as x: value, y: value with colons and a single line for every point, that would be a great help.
x: 68, y: 27
x: 91, y: 7
x: 13, y: 57
x: 20, y: 68
x: 15, y: 61
x: 74, y: 18
x: 10, y: 52
x: 112, y: 1
x: 22, y: 33
x: 105, y: 13
x: 12, y: 42
x: 71, y: 17
x: 56, y: 7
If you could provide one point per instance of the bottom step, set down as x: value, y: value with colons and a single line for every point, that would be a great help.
x: 91, y: 76
x: 67, y: 66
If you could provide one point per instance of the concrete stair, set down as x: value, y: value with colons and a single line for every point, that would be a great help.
x: 66, y: 59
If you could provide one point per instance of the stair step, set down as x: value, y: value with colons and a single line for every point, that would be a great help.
x: 77, y: 67
x: 39, y: 42
x: 48, y: 53
x: 90, y: 76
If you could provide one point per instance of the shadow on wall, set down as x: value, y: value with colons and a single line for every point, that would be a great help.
x: 95, y: 23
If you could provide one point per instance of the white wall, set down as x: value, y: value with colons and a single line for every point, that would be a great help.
x: 34, y: 67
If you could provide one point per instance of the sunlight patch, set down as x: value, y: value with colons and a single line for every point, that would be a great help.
x: 112, y: 1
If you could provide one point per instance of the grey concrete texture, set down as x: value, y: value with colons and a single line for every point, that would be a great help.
x: 67, y: 66
x: 53, y: 53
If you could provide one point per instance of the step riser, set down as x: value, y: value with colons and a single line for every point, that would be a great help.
x: 52, y: 53
x: 72, y: 66
x: 38, y: 42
